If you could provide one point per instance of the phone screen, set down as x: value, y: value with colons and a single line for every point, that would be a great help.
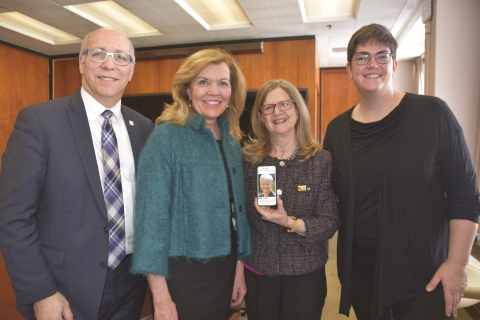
x: 266, y: 186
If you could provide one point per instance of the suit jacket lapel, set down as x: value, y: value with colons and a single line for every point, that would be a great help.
x: 133, y: 133
x: 83, y: 138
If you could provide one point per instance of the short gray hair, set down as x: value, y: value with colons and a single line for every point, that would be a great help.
x: 266, y: 177
x: 83, y: 47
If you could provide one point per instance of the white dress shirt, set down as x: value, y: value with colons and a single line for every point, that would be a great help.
x: 127, y: 164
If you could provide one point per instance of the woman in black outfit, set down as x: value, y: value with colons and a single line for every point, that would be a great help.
x: 407, y: 191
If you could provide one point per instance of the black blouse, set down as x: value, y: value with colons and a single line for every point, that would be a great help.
x: 370, y: 145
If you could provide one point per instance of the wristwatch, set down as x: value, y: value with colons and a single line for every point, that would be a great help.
x: 292, y: 230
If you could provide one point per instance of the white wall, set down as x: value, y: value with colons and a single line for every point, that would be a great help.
x: 457, y: 65
x: 404, y: 80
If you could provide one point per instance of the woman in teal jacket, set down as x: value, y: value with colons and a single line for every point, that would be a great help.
x: 192, y: 232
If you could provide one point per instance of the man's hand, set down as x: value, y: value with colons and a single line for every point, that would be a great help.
x: 55, y: 307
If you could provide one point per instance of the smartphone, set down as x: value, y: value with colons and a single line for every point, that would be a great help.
x: 266, y: 186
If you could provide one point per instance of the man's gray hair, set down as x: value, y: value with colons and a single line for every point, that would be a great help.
x: 266, y: 177
x: 83, y: 47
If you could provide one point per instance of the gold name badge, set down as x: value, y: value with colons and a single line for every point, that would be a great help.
x: 301, y: 188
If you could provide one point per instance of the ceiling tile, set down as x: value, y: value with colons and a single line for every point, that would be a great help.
x: 267, y: 25
x: 166, y: 29
x: 260, y: 13
x: 281, y: 3
x: 131, y: 5
x: 293, y: 28
x: 361, y: 23
x: 141, y: 42
x: 288, y: 11
x: 192, y: 27
x: 246, y: 32
x: 201, y: 36
x: 395, y: 8
x: 253, y: 4
x: 224, y: 34
x: 389, y: 22
x: 372, y: 9
x: 289, y: 20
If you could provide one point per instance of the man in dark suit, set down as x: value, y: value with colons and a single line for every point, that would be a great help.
x: 67, y: 190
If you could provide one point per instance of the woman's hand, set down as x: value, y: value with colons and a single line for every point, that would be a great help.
x: 239, y: 287
x: 454, y: 280
x: 278, y: 216
x: 453, y: 272
x: 165, y: 308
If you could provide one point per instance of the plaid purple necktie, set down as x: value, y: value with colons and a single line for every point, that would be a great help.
x: 113, y: 193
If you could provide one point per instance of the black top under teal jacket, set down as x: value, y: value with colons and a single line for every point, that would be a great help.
x: 428, y: 179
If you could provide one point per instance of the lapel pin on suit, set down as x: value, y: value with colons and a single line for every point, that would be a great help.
x: 131, y: 123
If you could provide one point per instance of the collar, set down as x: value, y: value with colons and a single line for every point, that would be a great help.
x: 197, y: 122
x: 94, y: 108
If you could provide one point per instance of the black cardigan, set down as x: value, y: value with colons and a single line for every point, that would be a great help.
x: 428, y: 180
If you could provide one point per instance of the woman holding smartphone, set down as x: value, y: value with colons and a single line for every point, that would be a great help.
x: 285, y: 275
x: 188, y: 243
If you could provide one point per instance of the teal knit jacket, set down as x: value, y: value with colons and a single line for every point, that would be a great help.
x: 182, y: 205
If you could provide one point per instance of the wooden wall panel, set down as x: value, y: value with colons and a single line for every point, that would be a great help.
x: 23, y: 81
x: 290, y: 60
x: 66, y: 77
x: 338, y: 94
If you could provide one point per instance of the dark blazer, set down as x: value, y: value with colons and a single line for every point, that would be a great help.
x: 53, y: 218
x: 276, y: 252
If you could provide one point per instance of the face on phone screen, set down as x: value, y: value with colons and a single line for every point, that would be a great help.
x: 266, y: 186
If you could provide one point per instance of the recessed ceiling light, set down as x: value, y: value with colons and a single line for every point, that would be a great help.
x: 328, y: 10
x: 216, y: 14
x: 111, y: 14
x: 25, y: 25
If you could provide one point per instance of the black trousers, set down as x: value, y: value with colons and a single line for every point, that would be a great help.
x: 123, y: 294
x: 424, y: 306
x: 202, y: 291
x: 300, y: 297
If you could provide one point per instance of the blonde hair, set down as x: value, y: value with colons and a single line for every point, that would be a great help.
x: 178, y: 112
x: 260, y: 145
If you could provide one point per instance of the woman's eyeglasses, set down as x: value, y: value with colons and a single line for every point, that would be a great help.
x: 364, y: 58
x: 282, y: 105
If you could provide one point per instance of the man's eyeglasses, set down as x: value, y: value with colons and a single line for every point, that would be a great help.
x: 364, y: 58
x: 282, y: 105
x: 120, y: 59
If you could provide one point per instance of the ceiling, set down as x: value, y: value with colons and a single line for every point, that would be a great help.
x: 270, y: 19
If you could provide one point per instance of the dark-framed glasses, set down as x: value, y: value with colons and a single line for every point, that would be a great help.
x: 120, y: 59
x: 282, y: 105
x: 364, y: 58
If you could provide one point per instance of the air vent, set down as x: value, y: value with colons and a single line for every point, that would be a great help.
x: 4, y: 9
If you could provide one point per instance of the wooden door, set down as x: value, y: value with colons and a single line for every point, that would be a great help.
x: 337, y: 94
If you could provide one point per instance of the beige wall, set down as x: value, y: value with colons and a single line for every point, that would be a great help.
x: 457, y: 67
x: 405, y: 76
